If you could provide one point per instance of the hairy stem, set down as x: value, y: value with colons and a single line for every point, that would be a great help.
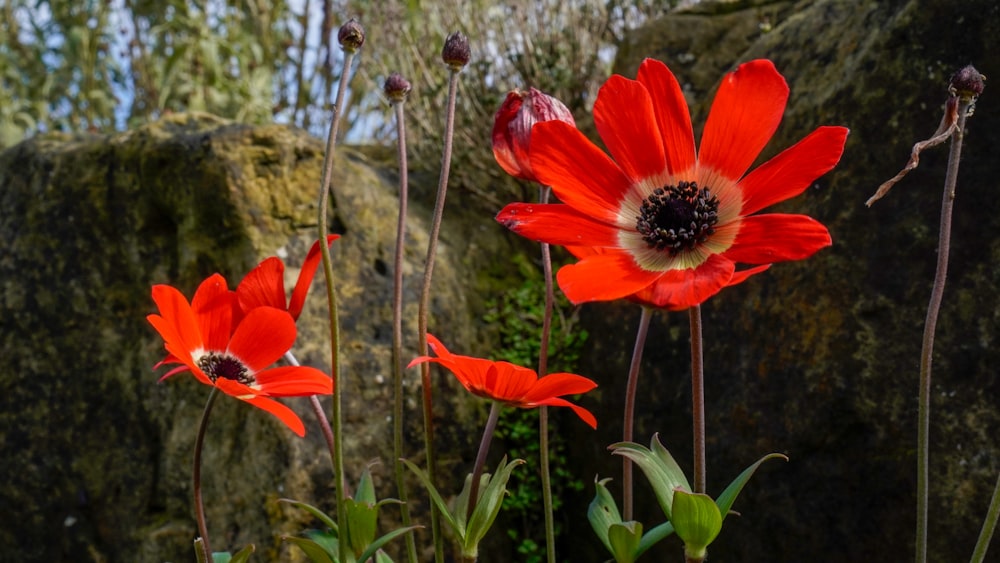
x: 199, y: 505
x: 698, y: 398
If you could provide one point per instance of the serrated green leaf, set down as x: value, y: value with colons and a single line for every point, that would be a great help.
x: 728, y: 496
x: 697, y: 521
x: 488, y: 506
x: 603, y: 512
x: 624, y: 539
x: 316, y: 552
x: 330, y: 523
x: 659, y: 467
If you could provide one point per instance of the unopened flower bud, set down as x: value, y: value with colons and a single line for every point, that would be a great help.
x: 512, y: 128
x: 396, y: 87
x: 456, y: 52
x: 967, y: 82
x: 351, y: 36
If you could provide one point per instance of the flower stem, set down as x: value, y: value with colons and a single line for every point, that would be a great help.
x: 331, y: 296
x: 484, y: 448
x: 425, y: 298
x: 543, y: 412
x: 697, y: 398
x: 631, y: 387
x: 989, y: 525
x: 199, y: 505
x: 930, y: 325
x: 397, y: 335
x: 324, y: 423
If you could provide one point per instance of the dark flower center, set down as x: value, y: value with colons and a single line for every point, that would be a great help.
x: 216, y: 365
x: 678, y: 218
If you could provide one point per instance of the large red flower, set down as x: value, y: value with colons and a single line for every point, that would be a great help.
x: 659, y: 221
x: 211, y: 338
x: 511, y: 384
x: 512, y: 126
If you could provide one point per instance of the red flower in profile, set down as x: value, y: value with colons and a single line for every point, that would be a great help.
x: 208, y: 337
x: 658, y: 221
x: 514, y: 385
x: 265, y: 284
x: 512, y: 128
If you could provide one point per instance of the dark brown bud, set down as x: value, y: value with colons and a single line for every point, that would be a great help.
x: 396, y: 88
x: 456, y: 52
x: 351, y: 36
x: 967, y: 83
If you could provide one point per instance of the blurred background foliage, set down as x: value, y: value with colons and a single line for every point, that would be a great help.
x: 107, y: 65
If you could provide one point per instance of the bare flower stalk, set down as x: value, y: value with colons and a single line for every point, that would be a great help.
x: 989, y: 525
x: 324, y: 422
x: 628, y: 424
x: 351, y: 38
x: 698, y: 399
x: 543, y: 412
x: 484, y: 448
x: 199, y: 505
x: 456, y: 58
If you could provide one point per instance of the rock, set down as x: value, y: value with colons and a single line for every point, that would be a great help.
x: 819, y: 359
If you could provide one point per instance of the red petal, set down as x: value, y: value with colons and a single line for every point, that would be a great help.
x: 213, y: 306
x: 306, y: 275
x: 557, y: 384
x: 672, y: 115
x: 293, y: 381
x: 509, y: 383
x: 742, y: 275
x: 776, y: 237
x: 556, y: 223
x: 177, y: 323
x: 279, y: 410
x: 624, y: 117
x: 263, y: 286
x: 264, y: 336
x: 581, y: 412
x: 677, y: 290
x: 603, y: 277
x: 791, y: 172
x: 580, y: 174
x: 504, y: 144
x: 746, y: 112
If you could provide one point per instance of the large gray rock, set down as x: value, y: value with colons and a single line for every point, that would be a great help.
x: 95, y: 455
x: 819, y: 359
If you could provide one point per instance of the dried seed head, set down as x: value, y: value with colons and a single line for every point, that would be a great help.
x: 456, y: 52
x: 967, y: 82
x: 351, y: 36
x: 396, y: 87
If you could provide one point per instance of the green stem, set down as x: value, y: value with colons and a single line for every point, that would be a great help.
x: 324, y: 423
x: 484, y: 448
x: 989, y: 525
x: 930, y: 325
x: 543, y: 412
x: 397, y: 335
x: 331, y: 296
x: 698, y: 398
x: 425, y: 298
x: 631, y: 387
x: 199, y: 505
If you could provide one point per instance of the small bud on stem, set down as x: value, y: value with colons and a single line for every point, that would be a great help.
x: 351, y: 36
x: 396, y: 88
x: 456, y: 52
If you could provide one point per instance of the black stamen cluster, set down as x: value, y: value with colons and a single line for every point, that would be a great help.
x: 222, y: 365
x: 678, y: 218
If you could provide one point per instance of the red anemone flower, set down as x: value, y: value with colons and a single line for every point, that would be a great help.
x: 265, y: 284
x: 514, y: 385
x: 662, y: 222
x: 202, y: 335
x: 512, y: 125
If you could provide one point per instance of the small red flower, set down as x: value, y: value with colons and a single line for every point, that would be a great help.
x: 660, y: 222
x: 514, y: 385
x: 265, y: 284
x: 512, y: 128
x: 208, y: 337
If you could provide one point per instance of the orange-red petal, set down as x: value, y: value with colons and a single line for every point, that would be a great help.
x: 791, y: 172
x: 263, y: 286
x: 672, y: 115
x: 294, y: 381
x: 306, y: 274
x: 176, y: 322
x: 213, y: 306
x: 264, y: 336
x: 745, y: 114
x: 284, y: 414
x: 556, y: 223
x: 584, y: 414
x: 626, y: 122
x: 677, y: 290
x: 776, y: 237
x: 603, y: 277
x: 557, y: 384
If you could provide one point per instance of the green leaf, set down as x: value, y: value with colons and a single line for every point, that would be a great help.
x: 650, y: 538
x: 662, y: 472
x: 488, y: 505
x: 361, y: 518
x: 603, y: 512
x: 316, y: 552
x: 442, y: 506
x: 624, y: 539
x: 330, y: 523
x: 728, y: 496
x: 243, y: 555
x: 696, y: 520
x: 377, y: 544
x: 366, y: 488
